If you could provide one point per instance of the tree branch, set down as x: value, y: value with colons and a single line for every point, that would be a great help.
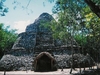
x: 95, y: 8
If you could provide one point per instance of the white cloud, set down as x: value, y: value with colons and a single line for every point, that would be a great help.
x: 21, y: 25
x: 55, y: 16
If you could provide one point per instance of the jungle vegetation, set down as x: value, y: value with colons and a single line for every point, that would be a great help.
x: 75, y: 19
x: 7, y: 38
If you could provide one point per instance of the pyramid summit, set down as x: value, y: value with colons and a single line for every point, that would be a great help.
x: 43, y: 18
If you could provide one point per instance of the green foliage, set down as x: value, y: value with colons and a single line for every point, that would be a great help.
x: 81, y: 40
x: 97, y: 2
x: 94, y: 35
x: 75, y: 19
x: 3, y: 8
x: 67, y: 18
x: 50, y: 1
x: 59, y: 30
x: 7, y: 37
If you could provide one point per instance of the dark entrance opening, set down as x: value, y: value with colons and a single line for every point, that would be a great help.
x: 44, y: 62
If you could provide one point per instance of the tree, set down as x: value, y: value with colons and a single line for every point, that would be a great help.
x: 75, y: 20
x: 67, y: 25
x: 94, y: 6
x: 3, y: 8
x: 7, y: 38
x: 93, y: 38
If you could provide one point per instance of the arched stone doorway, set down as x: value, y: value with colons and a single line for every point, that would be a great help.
x: 44, y: 62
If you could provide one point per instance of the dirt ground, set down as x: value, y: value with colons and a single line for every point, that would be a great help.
x: 58, y: 72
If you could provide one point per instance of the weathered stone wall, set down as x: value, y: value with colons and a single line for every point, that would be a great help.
x: 28, y: 39
x: 21, y: 54
x: 16, y: 63
x: 11, y: 62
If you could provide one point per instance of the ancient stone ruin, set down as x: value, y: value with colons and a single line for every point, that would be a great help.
x: 26, y: 51
x: 29, y: 44
x: 35, y: 37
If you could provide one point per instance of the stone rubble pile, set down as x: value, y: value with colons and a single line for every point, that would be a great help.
x: 78, y: 60
x: 16, y: 63
x: 23, y: 63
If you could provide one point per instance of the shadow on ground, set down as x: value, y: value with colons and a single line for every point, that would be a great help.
x: 89, y: 72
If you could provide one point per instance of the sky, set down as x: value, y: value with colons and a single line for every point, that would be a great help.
x: 19, y: 18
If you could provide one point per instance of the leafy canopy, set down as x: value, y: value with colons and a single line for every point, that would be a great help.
x: 7, y: 37
x: 3, y: 8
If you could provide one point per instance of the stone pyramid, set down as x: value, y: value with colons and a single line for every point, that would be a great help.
x: 27, y: 40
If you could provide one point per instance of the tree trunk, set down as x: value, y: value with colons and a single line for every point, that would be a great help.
x: 95, y: 8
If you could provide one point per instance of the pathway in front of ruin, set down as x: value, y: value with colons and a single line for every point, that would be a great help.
x: 58, y: 72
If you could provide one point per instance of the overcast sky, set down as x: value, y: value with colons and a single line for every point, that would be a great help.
x: 19, y: 18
